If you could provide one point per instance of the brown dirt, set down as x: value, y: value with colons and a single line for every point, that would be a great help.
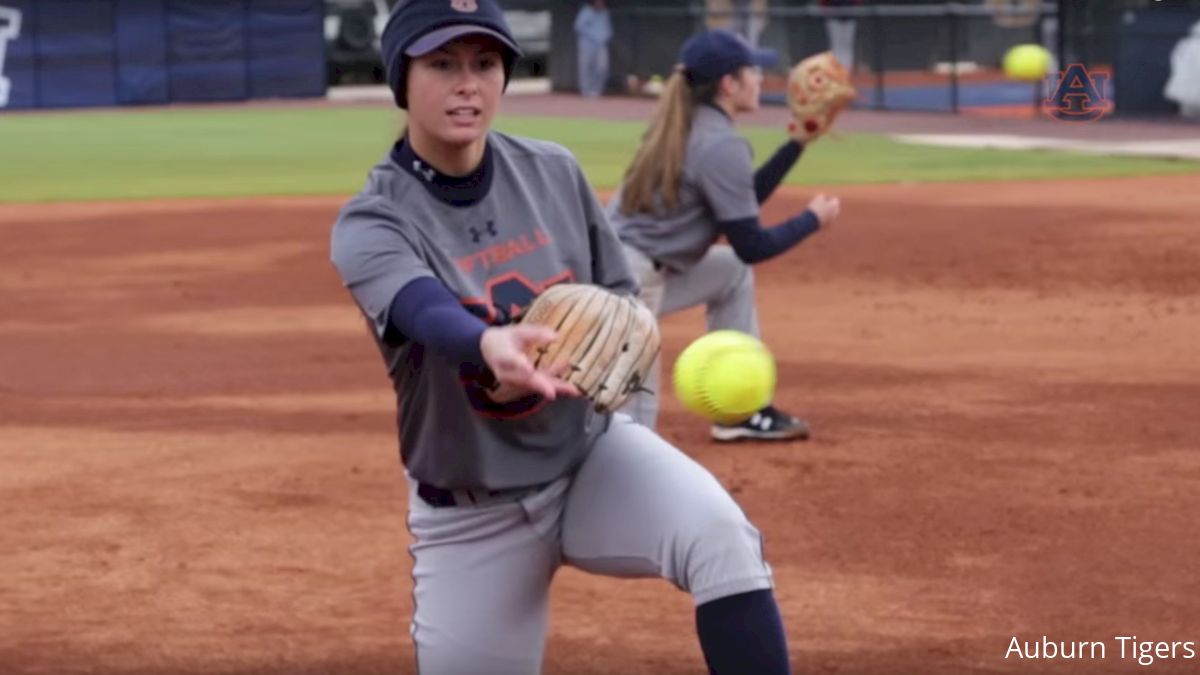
x: 199, y: 474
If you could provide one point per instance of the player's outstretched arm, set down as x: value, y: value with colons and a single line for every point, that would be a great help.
x: 426, y: 312
x: 754, y: 243
x: 768, y: 176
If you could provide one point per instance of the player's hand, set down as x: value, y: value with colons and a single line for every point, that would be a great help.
x: 505, y: 351
x: 826, y: 208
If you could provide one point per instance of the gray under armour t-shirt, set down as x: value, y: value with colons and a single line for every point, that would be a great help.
x: 531, y: 221
x: 717, y: 185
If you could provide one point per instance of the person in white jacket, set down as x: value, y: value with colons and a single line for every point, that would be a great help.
x: 593, y: 28
x: 1183, y: 86
x: 10, y: 28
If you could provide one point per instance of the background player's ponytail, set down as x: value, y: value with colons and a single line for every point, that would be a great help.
x: 658, y: 165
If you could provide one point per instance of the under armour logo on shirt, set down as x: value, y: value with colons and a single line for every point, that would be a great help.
x: 428, y: 173
x: 476, y: 234
x: 464, y: 5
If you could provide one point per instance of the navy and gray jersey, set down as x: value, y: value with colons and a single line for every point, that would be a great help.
x: 526, y: 219
x: 719, y: 194
x: 717, y: 185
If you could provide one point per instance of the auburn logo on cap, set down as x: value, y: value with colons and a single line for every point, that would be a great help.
x: 465, y: 5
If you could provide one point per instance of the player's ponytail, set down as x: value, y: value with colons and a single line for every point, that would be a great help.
x: 658, y: 165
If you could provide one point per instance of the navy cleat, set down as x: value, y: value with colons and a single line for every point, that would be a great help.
x: 768, y: 424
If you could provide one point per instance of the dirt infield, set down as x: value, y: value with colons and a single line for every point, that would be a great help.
x: 199, y: 472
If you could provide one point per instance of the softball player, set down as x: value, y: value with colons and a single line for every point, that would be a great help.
x: 691, y: 182
x: 455, y: 228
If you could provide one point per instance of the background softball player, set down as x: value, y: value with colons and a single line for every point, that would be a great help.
x: 503, y: 489
x: 691, y: 182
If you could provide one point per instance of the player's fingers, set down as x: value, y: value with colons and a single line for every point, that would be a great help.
x: 514, y: 369
x: 504, y: 351
x: 531, y: 336
x: 546, y: 383
x: 564, y: 388
x: 543, y: 384
x: 554, y: 377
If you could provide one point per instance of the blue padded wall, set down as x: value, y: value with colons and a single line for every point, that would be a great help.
x: 70, y: 53
x: 284, y: 38
x: 75, y: 52
x: 141, y: 34
x: 206, y: 50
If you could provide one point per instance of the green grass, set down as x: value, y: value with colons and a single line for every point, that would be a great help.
x: 604, y: 149
x: 204, y: 153
x: 305, y: 151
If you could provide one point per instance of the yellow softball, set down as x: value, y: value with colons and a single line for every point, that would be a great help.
x: 725, y: 376
x: 1028, y: 62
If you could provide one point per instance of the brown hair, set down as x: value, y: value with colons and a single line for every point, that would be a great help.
x: 657, y: 167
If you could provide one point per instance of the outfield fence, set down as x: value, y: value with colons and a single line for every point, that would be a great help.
x: 937, y: 57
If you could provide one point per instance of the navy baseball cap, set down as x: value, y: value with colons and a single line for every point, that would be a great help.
x: 713, y: 54
x: 418, y: 27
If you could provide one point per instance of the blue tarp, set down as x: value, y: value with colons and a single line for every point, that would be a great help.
x: 141, y: 52
x: 75, y: 51
x: 105, y: 52
x: 286, y: 48
x: 206, y: 50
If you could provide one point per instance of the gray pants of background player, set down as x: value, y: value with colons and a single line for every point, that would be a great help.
x: 720, y: 281
x: 841, y: 40
x: 637, y: 507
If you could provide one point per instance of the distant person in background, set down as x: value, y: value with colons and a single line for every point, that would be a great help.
x: 841, y: 32
x: 692, y: 183
x: 593, y: 27
x: 747, y: 18
x: 743, y: 14
x: 1183, y: 86
x: 755, y: 19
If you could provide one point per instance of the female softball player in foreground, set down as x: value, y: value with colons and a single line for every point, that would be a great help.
x: 511, y: 472
x: 691, y: 182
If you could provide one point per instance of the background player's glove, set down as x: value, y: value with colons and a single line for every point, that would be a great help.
x: 818, y: 90
x: 608, y: 341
